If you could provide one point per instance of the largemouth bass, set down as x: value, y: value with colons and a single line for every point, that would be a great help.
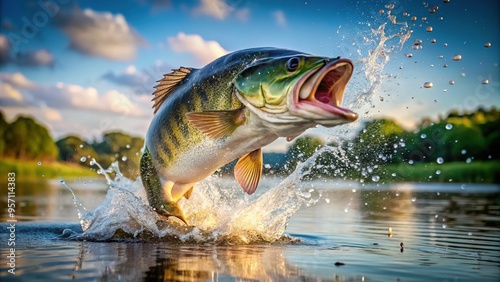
x: 231, y: 108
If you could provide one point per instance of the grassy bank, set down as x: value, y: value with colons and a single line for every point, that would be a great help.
x: 31, y: 169
x: 474, y: 172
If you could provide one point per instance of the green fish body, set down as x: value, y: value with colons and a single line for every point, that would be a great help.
x: 231, y: 108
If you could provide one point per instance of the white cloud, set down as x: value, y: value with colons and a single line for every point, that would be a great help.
x: 214, y: 8
x: 40, y: 57
x: 141, y: 81
x: 220, y: 9
x: 279, y: 17
x: 19, y: 91
x: 17, y: 79
x: 203, y: 51
x: 4, y: 49
x: 32, y: 58
x: 99, y: 34
x: 10, y: 96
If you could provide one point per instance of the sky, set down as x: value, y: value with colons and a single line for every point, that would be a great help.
x: 88, y: 67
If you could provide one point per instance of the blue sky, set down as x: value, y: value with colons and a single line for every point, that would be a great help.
x: 84, y: 67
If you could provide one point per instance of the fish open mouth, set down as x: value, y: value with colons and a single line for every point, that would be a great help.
x: 320, y: 93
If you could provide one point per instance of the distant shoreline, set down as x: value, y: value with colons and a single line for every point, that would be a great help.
x: 452, y: 172
x: 29, y: 170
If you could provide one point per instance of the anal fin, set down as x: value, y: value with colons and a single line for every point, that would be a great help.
x: 188, y: 193
x: 248, y: 171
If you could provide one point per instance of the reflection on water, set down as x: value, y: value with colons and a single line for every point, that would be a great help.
x: 50, y: 200
x: 449, y: 232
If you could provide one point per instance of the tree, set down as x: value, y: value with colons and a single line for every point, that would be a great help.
x: 28, y: 140
x: 303, y: 148
x: 378, y: 141
x: 118, y: 146
x: 3, y: 129
x: 72, y: 149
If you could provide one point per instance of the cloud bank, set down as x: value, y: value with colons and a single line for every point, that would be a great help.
x: 99, y: 34
x: 204, y: 51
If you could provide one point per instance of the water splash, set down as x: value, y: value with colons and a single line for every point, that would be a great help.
x: 218, y: 213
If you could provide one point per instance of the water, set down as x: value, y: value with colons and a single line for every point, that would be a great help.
x: 335, y: 231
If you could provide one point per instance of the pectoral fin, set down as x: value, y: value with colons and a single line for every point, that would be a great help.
x: 217, y: 124
x: 248, y: 171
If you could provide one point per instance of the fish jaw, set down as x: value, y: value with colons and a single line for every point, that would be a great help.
x: 318, y: 95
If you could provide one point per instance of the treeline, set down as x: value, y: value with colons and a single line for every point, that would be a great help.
x: 466, y: 138
x: 26, y: 140
x: 458, y: 137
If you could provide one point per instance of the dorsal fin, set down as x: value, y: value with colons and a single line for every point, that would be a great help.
x: 167, y: 84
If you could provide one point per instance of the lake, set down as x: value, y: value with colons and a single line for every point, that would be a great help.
x: 292, y: 230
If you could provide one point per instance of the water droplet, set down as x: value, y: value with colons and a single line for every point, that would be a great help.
x: 463, y: 152
x: 127, y: 146
x: 444, y: 226
x: 428, y: 85
x: 393, y: 174
x: 485, y: 81
x: 445, y: 65
x: 433, y: 40
x: 423, y: 135
x: 353, y: 190
x: 124, y: 158
x: 39, y: 163
x: 410, y: 162
x: 487, y: 44
x: 83, y: 159
x: 81, y: 146
x: 462, y: 74
x: 413, y: 199
x: 429, y: 29
x: 457, y: 58
x: 415, y: 18
x: 445, y: 45
x: 440, y: 56
x: 470, y: 233
x: 409, y: 55
x: 440, y: 160
x: 438, y: 172
x: 468, y: 160
x: 452, y: 82
x: 375, y: 178
x: 62, y: 181
x: 327, y: 200
x: 381, y: 12
x: 424, y: 19
x: 446, y: 1
x: 346, y: 210
x: 449, y: 126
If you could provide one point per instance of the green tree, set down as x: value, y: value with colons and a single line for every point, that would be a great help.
x: 73, y: 148
x: 28, y: 140
x: 378, y: 142
x: 118, y: 146
x: 303, y: 148
x: 3, y: 129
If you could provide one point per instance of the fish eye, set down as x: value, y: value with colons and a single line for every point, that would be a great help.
x: 292, y: 64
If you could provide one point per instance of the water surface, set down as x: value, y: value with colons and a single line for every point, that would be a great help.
x: 450, y: 233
